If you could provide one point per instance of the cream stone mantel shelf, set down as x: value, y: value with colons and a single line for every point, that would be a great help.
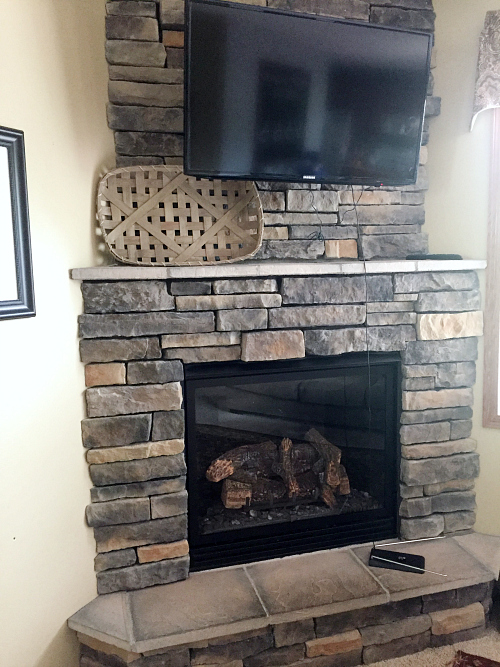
x: 272, y: 268
x: 278, y: 591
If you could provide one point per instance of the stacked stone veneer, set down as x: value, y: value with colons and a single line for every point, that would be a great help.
x: 144, y: 50
x: 363, y: 636
x: 137, y: 335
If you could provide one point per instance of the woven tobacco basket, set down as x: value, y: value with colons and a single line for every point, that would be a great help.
x: 158, y: 216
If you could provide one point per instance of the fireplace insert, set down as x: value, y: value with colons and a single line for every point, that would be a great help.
x: 286, y: 457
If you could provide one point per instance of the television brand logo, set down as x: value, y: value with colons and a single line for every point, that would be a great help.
x: 310, y: 178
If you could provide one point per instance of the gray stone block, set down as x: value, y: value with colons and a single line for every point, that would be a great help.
x: 395, y: 214
x: 439, y: 449
x: 175, y: 58
x: 413, y: 198
x: 291, y: 250
x: 433, y: 471
x: 420, y: 528
x: 145, y: 74
x: 445, y: 487
x: 317, y: 201
x: 111, y: 401
x: 296, y: 632
x: 243, y: 319
x: 250, y: 286
x: 302, y: 219
x: 406, y: 4
x: 412, y: 507
x: 168, y: 425
x: 139, y: 470
x: 410, y: 491
x: 394, y: 246
x: 171, y: 504
x: 152, y: 372
x: 432, y: 106
x: 438, y: 351
x: 145, y: 119
x: 142, y: 576
x: 111, y: 538
x: 336, y: 289
x: 345, y: 9
x: 455, y: 521
x: 166, y: 658
x: 477, y: 593
x: 462, y: 374
x: 144, y: 324
x: 172, y: 13
x: 418, y: 384
x: 389, y: 319
x: 134, y: 93
x: 397, y: 648
x: 217, y: 655
x: 198, y: 355
x: 142, y: 54
x: 127, y: 8
x: 448, y: 302
x: 126, y: 297
x: 454, y: 502
x: 130, y: 510
x: 402, y: 18
x: 417, y: 433
x: 115, y: 431
x: 139, y: 28
x: 436, y: 282
x: 455, y: 637
x: 127, y: 161
x: 190, y: 288
x: 438, y: 414
x: 391, y: 338
x: 460, y: 429
x: 149, y: 143
x: 114, y: 559
x: 102, y: 351
x: 313, y: 316
x: 276, y: 657
x: 155, y: 487
x: 302, y: 232
x: 325, y: 342
x: 360, y: 618
x: 382, y: 634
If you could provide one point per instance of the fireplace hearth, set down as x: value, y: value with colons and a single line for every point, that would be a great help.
x: 290, y: 456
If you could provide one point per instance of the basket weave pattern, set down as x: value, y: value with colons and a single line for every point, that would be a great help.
x: 160, y: 216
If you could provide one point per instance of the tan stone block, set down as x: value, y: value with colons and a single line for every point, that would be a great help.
x: 341, y: 643
x: 133, y: 399
x: 369, y: 197
x: 434, y: 450
x: 143, y: 450
x: 97, y: 645
x: 198, y: 355
x: 270, y: 345
x: 173, y: 38
x: 228, y: 301
x: 156, y: 552
x: 442, y: 326
x: 453, y: 620
x: 201, y: 340
x: 104, y: 374
x: 340, y: 248
x: 275, y: 233
x: 438, y: 398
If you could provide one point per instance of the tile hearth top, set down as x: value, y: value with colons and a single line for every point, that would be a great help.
x: 231, y: 600
x: 272, y: 268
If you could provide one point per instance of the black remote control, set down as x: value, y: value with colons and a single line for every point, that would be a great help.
x: 395, y: 560
x: 419, y: 257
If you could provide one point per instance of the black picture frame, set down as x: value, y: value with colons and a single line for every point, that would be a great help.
x: 24, y: 304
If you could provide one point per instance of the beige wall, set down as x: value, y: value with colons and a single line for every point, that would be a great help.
x: 53, y: 87
x: 457, y: 202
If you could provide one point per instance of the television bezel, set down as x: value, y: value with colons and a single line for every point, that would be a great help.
x: 286, y: 178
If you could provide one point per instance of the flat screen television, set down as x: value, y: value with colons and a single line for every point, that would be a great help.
x: 274, y: 95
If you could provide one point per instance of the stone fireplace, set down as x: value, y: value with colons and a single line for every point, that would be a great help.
x: 159, y: 345
x: 142, y: 326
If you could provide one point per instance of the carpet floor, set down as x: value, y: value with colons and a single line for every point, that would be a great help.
x: 487, y: 646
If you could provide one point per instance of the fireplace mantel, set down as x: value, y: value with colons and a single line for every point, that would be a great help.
x: 272, y: 268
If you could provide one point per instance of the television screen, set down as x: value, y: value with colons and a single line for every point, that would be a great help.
x: 272, y: 95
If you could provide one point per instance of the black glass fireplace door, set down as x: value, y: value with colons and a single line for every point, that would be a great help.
x: 291, y: 456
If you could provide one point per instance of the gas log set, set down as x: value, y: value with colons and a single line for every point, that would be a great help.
x: 269, y: 475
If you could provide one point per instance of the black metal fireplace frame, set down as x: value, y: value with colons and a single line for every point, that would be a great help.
x: 276, y: 540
